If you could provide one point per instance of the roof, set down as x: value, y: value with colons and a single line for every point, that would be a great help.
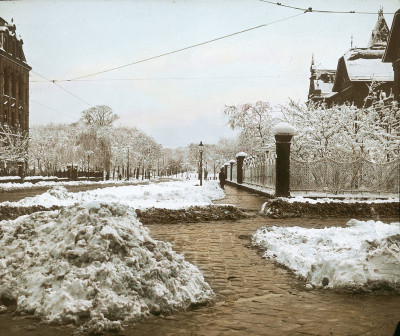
x: 393, y: 39
x: 326, y: 88
x: 379, y: 35
x: 365, y: 64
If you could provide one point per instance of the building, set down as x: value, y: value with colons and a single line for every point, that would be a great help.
x: 392, y: 53
x: 361, y: 76
x: 14, y: 79
x: 321, y: 84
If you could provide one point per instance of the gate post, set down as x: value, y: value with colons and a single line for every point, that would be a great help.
x: 226, y: 165
x: 283, y: 135
x: 239, y: 159
x: 232, y: 162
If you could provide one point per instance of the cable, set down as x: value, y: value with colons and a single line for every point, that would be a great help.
x: 310, y: 9
x: 182, y: 49
x: 69, y: 92
x: 50, y: 108
x: 170, y: 78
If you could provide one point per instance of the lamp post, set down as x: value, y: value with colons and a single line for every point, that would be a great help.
x: 89, y: 152
x: 127, y: 173
x: 201, y: 163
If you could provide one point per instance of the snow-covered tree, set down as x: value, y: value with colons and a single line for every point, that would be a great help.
x: 255, y: 121
x: 13, y: 144
x: 344, y: 132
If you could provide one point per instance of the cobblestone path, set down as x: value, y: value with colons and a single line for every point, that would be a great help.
x: 256, y: 297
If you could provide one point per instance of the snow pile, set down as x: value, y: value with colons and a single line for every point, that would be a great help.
x: 358, y: 254
x: 29, y: 185
x: 169, y: 195
x: 370, y: 200
x: 93, y: 264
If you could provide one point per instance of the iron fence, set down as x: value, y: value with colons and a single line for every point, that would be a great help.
x: 260, y: 170
x: 341, y: 177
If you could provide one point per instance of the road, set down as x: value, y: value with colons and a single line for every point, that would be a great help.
x: 255, y: 296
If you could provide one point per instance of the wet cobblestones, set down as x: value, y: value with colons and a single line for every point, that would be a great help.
x: 255, y: 296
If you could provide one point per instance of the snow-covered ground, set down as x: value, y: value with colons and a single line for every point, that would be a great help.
x: 336, y: 257
x: 94, y: 262
x: 29, y: 185
x: 334, y: 200
x: 169, y: 195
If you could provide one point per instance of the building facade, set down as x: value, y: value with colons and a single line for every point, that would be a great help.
x: 392, y: 53
x: 321, y: 84
x: 360, y: 77
x: 14, y: 80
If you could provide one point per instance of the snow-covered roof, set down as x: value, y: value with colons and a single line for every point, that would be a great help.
x: 326, y: 88
x: 365, y: 64
x: 379, y: 35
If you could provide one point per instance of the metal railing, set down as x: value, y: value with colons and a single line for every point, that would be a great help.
x: 341, y: 177
x: 260, y: 170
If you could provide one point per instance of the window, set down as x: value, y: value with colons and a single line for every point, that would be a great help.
x: 6, y: 80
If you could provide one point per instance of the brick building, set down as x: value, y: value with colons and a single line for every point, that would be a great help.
x: 14, y: 79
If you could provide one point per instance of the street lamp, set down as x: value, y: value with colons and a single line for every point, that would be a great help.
x: 201, y: 162
x: 127, y: 174
x: 89, y: 152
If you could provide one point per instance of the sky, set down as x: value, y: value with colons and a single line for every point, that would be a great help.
x: 179, y: 98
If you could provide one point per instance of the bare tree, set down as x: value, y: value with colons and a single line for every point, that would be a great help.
x: 99, y: 115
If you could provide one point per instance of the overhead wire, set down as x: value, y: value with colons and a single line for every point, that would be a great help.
x: 69, y: 92
x: 310, y: 9
x: 170, y: 78
x: 181, y: 49
x: 51, y: 108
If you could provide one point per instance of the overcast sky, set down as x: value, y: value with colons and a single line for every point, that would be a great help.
x: 179, y: 98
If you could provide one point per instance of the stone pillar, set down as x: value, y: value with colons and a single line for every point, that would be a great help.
x: 226, y: 165
x: 239, y: 161
x: 232, y: 162
x: 283, y: 135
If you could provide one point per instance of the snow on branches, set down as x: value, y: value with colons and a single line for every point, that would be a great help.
x: 345, y: 132
x: 13, y: 144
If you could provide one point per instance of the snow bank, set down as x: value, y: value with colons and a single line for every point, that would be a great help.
x: 93, y: 264
x: 302, y: 199
x: 29, y: 185
x: 336, y: 257
x: 169, y: 195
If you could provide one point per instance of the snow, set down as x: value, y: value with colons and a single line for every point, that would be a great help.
x: 335, y: 257
x: 241, y: 154
x: 302, y: 199
x: 30, y: 185
x: 169, y: 195
x: 283, y: 128
x: 93, y: 262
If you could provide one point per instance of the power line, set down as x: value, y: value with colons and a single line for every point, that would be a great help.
x: 50, y: 108
x: 171, y: 78
x: 310, y: 9
x: 182, y: 49
x: 69, y: 92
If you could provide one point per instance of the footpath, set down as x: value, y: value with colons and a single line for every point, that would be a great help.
x: 254, y: 296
